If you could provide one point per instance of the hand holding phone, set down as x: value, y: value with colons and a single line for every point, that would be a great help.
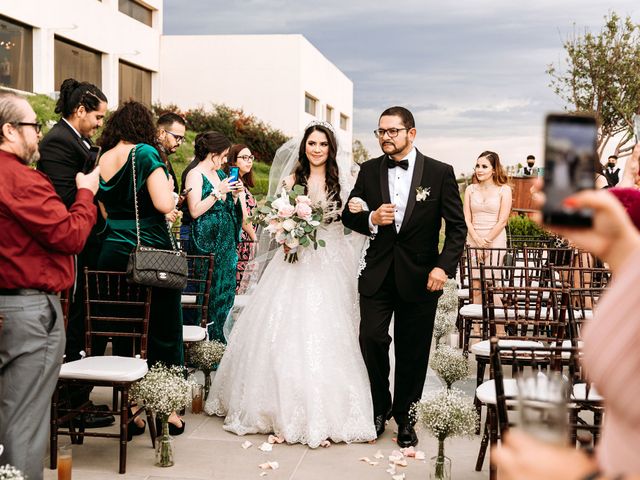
x: 92, y: 159
x: 182, y: 197
x: 234, y: 173
x: 570, y: 159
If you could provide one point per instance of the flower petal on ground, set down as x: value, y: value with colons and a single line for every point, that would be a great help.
x: 247, y: 444
x: 266, y: 447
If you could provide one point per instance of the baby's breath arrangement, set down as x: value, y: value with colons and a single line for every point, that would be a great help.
x: 163, y: 389
x: 450, y: 365
x: 7, y: 472
x: 446, y: 413
x: 447, y: 311
x: 206, y: 356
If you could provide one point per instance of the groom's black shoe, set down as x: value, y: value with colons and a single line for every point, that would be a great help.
x: 406, y: 435
x: 380, y: 422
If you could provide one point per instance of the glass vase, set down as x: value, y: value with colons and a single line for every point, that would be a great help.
x: 440, y: 465
x: 164, y: 445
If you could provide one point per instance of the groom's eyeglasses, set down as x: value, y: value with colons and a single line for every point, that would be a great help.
x: 392, y: 132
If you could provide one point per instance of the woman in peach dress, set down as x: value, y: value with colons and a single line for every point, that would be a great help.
x: 487, y: 205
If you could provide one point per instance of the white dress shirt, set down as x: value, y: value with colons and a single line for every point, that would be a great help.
x: 399, y: 190
x: 86, y: 144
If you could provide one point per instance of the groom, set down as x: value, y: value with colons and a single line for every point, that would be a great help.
x: 408, y: 196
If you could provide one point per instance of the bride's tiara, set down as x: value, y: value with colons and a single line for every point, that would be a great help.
x: 316, y: 123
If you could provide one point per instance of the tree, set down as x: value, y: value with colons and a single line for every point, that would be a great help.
x: 602, y: 77
x: 360, y: 153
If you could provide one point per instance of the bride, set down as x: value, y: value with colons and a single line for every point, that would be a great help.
x: 293, y: 365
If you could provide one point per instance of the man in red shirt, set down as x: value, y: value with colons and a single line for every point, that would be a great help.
x: 38, y: 240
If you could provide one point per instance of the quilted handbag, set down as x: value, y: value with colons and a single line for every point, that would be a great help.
x: 151, y: 266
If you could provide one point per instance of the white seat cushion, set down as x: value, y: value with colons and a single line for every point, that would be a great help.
x: 580, y: 392
x: 107, y: 368
x: 472, y: 310
x: 241, y: 300
x: 486, y: 392
x: 483, y: 348
x: 188, y: 299
x: 193, y: 333
x: 463, y: 293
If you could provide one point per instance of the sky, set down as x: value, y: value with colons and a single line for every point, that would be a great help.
x: 473, y: 72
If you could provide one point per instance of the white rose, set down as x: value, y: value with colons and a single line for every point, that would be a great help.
x: 289, y: 224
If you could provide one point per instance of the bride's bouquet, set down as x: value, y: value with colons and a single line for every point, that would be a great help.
x: 292, y: 220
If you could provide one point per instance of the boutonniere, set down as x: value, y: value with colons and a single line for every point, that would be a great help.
x: 422, y: 193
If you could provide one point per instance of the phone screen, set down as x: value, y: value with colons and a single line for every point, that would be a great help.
x: 92, y: 159
x: 233, y: 174
x: 570, y: 160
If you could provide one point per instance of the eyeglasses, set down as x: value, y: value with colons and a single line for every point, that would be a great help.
x: 392, y: 132
x: 36, y: 126
x: 246, y: 157
x: 179, y: 138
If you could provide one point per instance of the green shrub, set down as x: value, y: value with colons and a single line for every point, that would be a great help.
x: 520, y: 225
x: 44, y: 107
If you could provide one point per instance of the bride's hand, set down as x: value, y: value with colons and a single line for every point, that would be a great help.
x: 355, y: 206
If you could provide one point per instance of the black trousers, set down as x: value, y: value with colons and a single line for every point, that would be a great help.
x: 413, y: 328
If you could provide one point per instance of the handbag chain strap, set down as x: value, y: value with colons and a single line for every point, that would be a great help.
x: 135, y: 202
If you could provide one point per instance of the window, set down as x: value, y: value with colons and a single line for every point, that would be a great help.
x: 136, y: 10
x: 16, y: 55
x: 74, y: 61
x: 310, y: 104
x: 344, y: 122
x: 134, y: 84
x: 328, y: 114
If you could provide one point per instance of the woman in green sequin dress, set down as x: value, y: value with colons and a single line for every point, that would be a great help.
x: 215, y: 228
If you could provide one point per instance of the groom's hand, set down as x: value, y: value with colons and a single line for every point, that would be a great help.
x: 437, y: 279
x: 384, y: 215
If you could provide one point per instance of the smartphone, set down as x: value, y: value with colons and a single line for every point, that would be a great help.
x: 636, y: 127
x: 183, y: 197
x: 570, y: 157
x: 234, y: 172
x: 92, y: 159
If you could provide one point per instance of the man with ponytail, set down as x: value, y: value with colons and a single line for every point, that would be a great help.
x: 64, y: 151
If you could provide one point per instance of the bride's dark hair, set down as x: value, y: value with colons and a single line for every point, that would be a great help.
x: 332, y: 180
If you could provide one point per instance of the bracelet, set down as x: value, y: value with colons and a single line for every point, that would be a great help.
x: 216, y: 195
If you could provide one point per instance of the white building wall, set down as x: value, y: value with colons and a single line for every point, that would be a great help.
x: 98, y: 25
x: 265, y: 75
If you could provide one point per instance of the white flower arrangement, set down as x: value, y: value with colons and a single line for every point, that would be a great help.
x: 7, y: 472
x: 446, y: 413
x: 206, y: 355
x: 448, y: 301
x: 422, y: 193
x: 450, y: 365
x: 444, y: 324
x: 163, y: 389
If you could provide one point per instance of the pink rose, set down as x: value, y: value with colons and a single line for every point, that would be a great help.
x: 303, y: 199
x: 285, y: 211
x: 303, y: 210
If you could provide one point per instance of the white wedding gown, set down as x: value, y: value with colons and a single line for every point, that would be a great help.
x: 293, y: 364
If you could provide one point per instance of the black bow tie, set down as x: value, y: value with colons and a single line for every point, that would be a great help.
x: 391, y: 163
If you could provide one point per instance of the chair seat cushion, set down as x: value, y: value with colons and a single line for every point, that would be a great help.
x: 486, y: 392
x: 472, y: 310
x: 580, y: 393
x: 463, y: 293
x: 188, y: 299
x: 483, y: 348
x: 107, y: 368
x: 193, y: 333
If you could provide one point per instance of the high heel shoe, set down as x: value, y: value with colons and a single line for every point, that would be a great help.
x: 173, y: 430
x: 135, y: 429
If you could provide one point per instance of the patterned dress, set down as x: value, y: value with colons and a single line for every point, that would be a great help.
x: 246, y: 248
x: 217, y: 231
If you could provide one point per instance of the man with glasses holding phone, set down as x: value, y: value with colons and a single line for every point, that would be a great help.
x: 408, y: 195
x: 39, y: 237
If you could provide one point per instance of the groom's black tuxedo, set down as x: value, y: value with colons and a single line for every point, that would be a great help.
x: 394, y: 280
x: 414, y: 249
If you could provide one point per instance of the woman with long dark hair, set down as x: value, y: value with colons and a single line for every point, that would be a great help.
x: 306, y: 379
x: 130, y: 132
x: 240, y: 156
x: 215, y: 227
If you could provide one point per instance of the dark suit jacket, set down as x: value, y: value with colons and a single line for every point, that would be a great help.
x: 414, y: 249
x: 62, y: 156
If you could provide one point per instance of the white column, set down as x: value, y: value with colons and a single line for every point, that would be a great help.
x: 110, y: 79
x: 43, y: 61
